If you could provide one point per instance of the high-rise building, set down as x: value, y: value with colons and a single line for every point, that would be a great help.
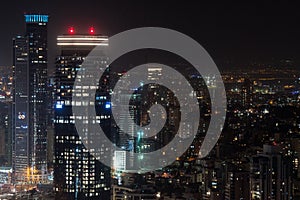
x: 270, y: 175
x: 246, y: 91
x: 77, y: 173
x: 212, y: 179
x: 29, y: 102
x: 6, y: 80
x: 237, y: 185
x: 5, y: 132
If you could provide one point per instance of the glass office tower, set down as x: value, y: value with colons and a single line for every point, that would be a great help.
x: 29, y: 102
x: 77, y: 174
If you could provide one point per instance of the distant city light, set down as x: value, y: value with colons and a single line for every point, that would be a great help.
x: 92, y: 30
x: 85, y: 40
x: 107, y: 105
x: 71, y: 30
x: 59, y: 105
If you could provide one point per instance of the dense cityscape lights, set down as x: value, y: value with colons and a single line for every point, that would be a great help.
x: 42, y: 156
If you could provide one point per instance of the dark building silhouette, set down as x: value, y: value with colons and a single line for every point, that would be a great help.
x: 271, y: 175
x: 237, y: 186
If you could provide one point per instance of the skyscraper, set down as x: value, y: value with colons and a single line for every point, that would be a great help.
x: 237, y: 185
x: 5, y: 115
x: 29, y: 102
x: 247, y: 89
x: 271, y: 175
x: 77, y: 173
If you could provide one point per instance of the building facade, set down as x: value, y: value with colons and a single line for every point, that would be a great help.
x: 77, y: 173
x: 29, y: 118
x: 270, y: 175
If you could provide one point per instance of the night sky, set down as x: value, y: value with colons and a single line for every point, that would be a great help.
x: 232, y: 33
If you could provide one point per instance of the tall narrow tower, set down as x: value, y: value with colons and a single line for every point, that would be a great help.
x: 29, y: 106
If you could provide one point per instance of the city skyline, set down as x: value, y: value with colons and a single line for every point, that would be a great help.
x: 204, y: 106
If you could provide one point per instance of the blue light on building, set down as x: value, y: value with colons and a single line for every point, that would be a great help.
x: 107, y: 105
x: 295, y: 92
x: 59, y: 105
x: 36, y: 18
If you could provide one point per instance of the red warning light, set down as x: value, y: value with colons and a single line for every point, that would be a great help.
x: 71, y: 30
x: 92, y: 30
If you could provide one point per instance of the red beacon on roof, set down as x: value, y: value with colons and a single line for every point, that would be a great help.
x: 71, y: 30
x: 92, y: 30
